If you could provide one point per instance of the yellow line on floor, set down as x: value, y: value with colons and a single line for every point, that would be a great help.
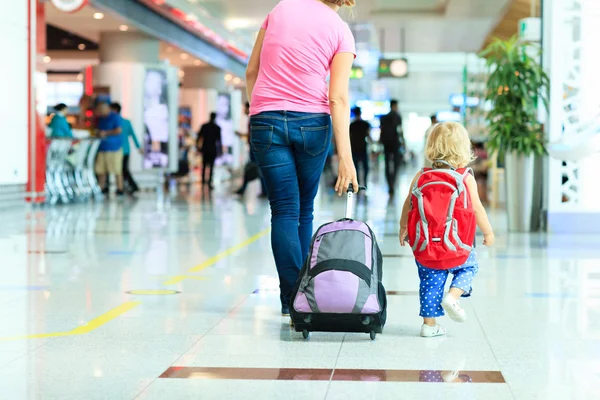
x: 180, y: 278
x: 38, y: 336
x: 87, y: 328
x: 228, y: 252
x: 105, y: 318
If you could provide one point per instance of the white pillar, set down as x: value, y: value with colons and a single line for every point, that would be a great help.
x: 125, y: 58
x: 570, y: 46
x: 590, y: 100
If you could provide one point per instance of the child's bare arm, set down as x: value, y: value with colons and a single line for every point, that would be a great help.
x: 483, y: 221
x: 405, y: 210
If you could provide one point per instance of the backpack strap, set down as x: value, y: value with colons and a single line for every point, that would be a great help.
x: 421, y: 207
x: 468, y: 171
x: 445, y: 163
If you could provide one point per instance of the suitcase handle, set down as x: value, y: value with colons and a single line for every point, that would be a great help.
x: 351, y: 201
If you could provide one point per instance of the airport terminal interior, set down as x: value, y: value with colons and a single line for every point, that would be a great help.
x: 147, y: 270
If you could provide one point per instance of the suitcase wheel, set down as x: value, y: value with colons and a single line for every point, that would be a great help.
x: 305, y: 334
x: 372, y: 335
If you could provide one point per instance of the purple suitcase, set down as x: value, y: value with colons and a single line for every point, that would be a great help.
x: 339, y: 288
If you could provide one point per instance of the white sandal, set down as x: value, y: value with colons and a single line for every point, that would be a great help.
x: 453, y: 309
x: 432, y: 331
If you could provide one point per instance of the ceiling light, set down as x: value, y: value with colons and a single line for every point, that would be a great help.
x: 184, y: 56
x: 98, y: 15
x: 197, y: 62
x: 192, y: 1
x: 80, y: 77
x: 123, y: 28
x: 228, y: 77
x: 237, y: 81
x: 47, y: 59
x: 81, y: 46
x: 181, y: 73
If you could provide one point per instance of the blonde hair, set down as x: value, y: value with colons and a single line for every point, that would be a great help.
x: 449, y: 142
x: 341, y: 3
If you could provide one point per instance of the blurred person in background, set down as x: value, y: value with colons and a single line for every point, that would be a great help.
x: 392, y: 140
x: 210, y: 146
x: 110, y: 152
x: 251, y: 170
x: 360, y: 136
x: 127, y: 134
x: 59, y: 125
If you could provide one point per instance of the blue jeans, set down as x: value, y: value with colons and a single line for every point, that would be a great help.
x: 290, y: 148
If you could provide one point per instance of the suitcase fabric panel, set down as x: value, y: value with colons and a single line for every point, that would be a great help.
x: 351, y: 245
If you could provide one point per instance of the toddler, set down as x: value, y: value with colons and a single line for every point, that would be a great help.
x: 448, y: 147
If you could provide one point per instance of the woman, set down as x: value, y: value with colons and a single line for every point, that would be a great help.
x: 291, y: 115
x: 59, y: 125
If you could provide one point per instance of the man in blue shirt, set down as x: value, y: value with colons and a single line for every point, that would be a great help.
x: 110, y: 153
x: 126, y: 135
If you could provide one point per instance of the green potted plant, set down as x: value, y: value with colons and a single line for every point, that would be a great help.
x: 516, y: 87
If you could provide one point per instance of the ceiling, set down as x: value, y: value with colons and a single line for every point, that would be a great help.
x: 59, y: 39
x: 418, y: 26
x: 509, y: 23
x: 429, y: 25
x: 82, y: 24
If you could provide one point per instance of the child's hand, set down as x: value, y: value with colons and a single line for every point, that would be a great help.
x: 489, y: 239
x: 403, y: 235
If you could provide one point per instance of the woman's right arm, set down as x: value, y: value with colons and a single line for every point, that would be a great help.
x: 339, y: 106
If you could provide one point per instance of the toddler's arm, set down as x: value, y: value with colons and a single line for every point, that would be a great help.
x: 405, y: 210
x: 482, y: 219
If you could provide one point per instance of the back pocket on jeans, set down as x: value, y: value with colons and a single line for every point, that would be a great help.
x: 315, y: 139
x: 261, y: 137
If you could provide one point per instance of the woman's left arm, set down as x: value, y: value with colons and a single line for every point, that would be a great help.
x: 254, y: 64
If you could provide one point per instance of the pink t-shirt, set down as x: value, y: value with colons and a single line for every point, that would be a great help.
x: 301, y: 39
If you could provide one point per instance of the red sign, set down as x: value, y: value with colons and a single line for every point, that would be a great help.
x: 69, y: 6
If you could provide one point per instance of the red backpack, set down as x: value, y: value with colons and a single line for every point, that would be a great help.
x: 441, y: 221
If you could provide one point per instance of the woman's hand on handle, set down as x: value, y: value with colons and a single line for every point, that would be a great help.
x: 346, y: 176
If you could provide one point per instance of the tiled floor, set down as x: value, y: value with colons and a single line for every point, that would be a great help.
x: 72, y: 329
